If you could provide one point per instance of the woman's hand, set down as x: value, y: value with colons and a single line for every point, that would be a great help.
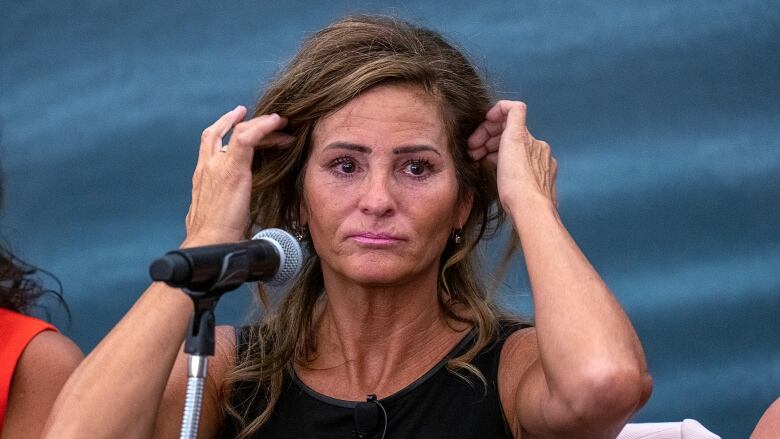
x: 524, y: 165
x: 222, y: 182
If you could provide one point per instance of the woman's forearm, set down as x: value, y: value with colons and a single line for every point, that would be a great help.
x: 116, y: 391
x: 591, y: 356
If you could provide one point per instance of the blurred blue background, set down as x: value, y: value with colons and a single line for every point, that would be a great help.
x: 664, y: 117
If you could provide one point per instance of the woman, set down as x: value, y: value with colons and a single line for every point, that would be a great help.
x: 35, y: 359
x: 379, y: 146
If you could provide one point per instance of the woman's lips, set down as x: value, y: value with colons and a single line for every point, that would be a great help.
x: 375, y: 239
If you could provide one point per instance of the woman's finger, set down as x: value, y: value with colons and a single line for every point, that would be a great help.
x: 505, y: 118
x: 483, y: 132
x: 515, y: 129
x: 510, y: 113
x: 211, y: 138
x: 247, y: 135
x: 477, y: 154
x: 493, y: 144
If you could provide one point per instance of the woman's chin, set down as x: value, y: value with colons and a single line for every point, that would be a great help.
x: 367, y: 275
x: 380, y: 270
x: 378, y: 278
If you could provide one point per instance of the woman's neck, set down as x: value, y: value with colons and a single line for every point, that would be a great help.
x: 380, y: 338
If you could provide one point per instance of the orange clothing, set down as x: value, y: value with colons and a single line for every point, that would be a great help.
x: 16, y: 331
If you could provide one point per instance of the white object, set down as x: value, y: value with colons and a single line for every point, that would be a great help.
x: 687, y: 429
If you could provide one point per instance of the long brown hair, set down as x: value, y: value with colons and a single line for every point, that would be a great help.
x: 332, y: 67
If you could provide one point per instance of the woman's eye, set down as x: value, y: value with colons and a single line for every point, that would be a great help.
x: 343, y: 166
x: 347, y: 166
x: 417, y: 168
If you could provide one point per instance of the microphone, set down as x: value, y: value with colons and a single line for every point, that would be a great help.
x: 366, y: 416
x: 272, y: 256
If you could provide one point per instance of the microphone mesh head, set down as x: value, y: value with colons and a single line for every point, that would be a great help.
x: 290, y: 254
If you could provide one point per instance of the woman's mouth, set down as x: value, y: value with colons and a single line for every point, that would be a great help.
x: 375, y: 239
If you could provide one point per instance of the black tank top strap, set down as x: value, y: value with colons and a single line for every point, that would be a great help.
x: 488, y: 359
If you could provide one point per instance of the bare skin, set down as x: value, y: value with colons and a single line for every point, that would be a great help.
x: 40, y: 373
x: 380, y: 202
x: 769, y: 425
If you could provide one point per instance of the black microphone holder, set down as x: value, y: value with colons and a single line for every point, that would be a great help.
x: 235, y: 268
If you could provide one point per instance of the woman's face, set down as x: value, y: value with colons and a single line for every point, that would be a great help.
x: 380, y: 191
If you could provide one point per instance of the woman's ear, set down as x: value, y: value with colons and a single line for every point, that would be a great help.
x: 463, y: 210
x: 303, y: 214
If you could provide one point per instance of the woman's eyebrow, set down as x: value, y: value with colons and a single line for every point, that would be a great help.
x: 409, y: 149
x: 414, y: 148
x: 349, y: 147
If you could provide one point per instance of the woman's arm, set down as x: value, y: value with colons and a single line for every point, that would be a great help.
x: 769, y: 424
x: 583, y: 372
x: 117, y: 390
x: 40, y: 373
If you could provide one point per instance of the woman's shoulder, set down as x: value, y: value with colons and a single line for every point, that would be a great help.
x: 512, y: 334
x: 519, y: 349
x: 42, y: 369
x: 31, y: 346
x: 51, y: 349
x: 225, y: 338
x: 518, y: 353
x: 46, y: 363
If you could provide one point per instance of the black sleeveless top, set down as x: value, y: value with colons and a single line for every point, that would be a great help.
x: 437, y: 405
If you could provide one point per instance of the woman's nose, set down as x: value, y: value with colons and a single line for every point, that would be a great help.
x: 377, y: 198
